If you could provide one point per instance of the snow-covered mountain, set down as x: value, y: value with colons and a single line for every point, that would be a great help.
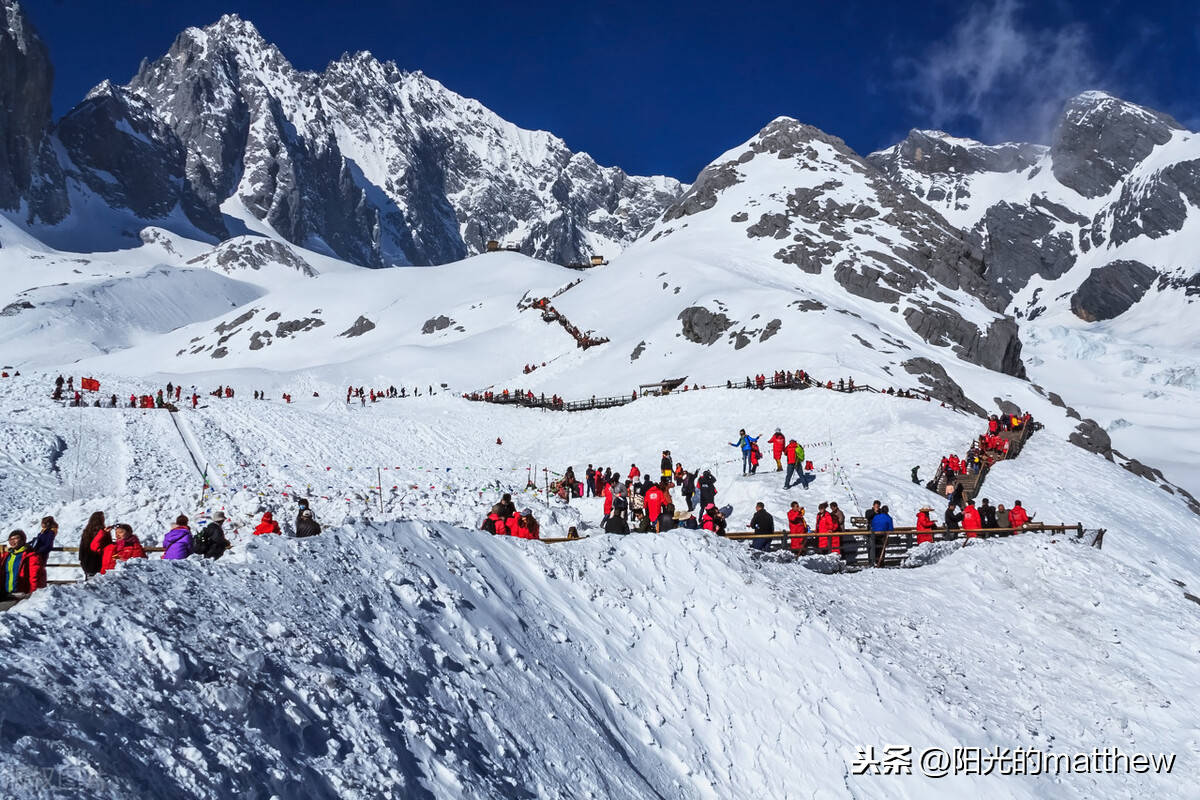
x: 1092, y: 243
x: 222, y: 136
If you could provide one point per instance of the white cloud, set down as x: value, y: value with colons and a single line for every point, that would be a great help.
x: 1006, y: 78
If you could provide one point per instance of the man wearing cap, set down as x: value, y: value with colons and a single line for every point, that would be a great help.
x: 211, y: 543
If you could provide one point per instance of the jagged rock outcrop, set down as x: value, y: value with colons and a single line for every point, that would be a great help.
x: 254, y: 253
x: 1100, y: 138
x: 28, y: 169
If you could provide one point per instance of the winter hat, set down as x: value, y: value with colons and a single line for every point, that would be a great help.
x: 219, y: 516
x: 778, y: 431
x: 527, y: 513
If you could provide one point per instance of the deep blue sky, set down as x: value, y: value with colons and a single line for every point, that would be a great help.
x: 665, y: 87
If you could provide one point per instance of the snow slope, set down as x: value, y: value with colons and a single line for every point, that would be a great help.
x: 401, y: 655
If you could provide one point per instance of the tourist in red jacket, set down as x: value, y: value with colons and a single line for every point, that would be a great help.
x: 777, y: 444
x: 100, y: 544
x: 654, y: 501
x: 797, y: 524
x: 527, y: 526
x: 22, y: 570
x: 826, y: 525
x: 1017, y: 517
x: 124, y: 547
x: 925, y: 526
x: 268, y: 525
x: 971, y: 521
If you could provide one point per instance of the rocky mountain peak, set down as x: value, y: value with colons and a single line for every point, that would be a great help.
x: 937, y: 152
x: 1100, y: 138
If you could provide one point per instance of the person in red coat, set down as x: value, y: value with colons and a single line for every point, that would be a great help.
x: 100, y: 544
x: 527, y: 526
x: 513, y: 524
x: 1017, y: 517
x: 925, y: 526
x: 777, y: 444
x: 268, y: 525
x: 124, y: 547
x: 634, y: 472
x: 826, y: 525
x: 797, y: 524
x: 971, y: 521
x: 654, y: 501
x: 22, y: 571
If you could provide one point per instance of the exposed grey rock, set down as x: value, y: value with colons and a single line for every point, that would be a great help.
x: 999, y: 348
x: 1100, y: 138
x: 935, y: 153
x: 702, y: 195
x: 937, y: 383
x: 1091, y: 437
x: 438, y: 323
x: 703, y: 326
x: 740, y: 339
x: 808, y: 304
x: 361, y: 325
x: 863, y: 341
x: 1156, y: 207
x: 14, y: 308
x: 1007, y: 407
x: 864, y: 282
x: 285, y: 329
x: 220, y: 352
x: 1021, y: 243
x: 637, y: 351
x: 237, y: 322
x: 28, y: 168
x: 775, y: 226
x: 1111, y: 290
x: 260, y: 339
x: 740, y: 216
x: 773, y: 327
x: 808, y: 255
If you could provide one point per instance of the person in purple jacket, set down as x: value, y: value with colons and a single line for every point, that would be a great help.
x: 178, y: 541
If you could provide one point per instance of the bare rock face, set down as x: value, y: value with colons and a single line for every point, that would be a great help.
x: 938, y: 384
x: 703, y: 326
x: 361, y: 325
x: 1091, y: 437
x: 1100, y: 138
x: 1111, y: 290
x: 28, y: 168
x: 435, y: 324
x: 1023, y: 242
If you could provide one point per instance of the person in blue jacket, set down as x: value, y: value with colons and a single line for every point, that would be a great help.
x: 746, y: 443
x: 881, y: 523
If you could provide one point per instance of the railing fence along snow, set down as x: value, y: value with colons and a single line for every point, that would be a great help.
x: 856, y: 548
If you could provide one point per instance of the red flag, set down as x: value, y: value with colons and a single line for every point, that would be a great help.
x: 89, y: 384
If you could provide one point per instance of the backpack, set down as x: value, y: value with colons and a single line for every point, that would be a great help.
x: 489, y: 525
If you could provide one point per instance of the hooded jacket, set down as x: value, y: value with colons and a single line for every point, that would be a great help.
x: 177, y: 544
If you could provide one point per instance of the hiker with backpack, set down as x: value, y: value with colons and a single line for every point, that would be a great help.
x: 211, y: 541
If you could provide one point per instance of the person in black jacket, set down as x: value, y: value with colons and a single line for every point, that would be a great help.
x: 952, y: 520
x: 306, y: 525
x: 762, y: 523
x: 211, y: 541
x: 707, y: 486
x: 616, y: 520
x: 689, y: 488
x: 987, y: 515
